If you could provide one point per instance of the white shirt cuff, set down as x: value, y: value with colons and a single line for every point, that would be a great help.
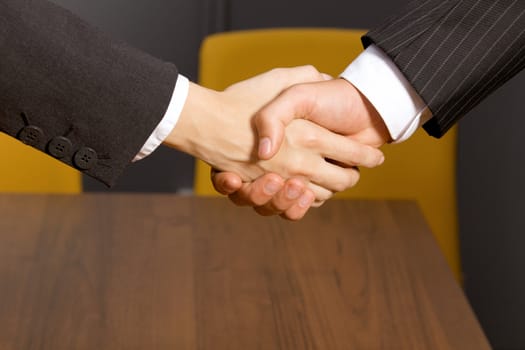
x: 170, y: 119
x: 375, y: 75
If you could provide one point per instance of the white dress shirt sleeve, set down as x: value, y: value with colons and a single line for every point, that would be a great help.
x: 375, y: 75
x: 168, y: 122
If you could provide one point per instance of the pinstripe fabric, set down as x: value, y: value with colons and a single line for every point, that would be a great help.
x: 455, y: 52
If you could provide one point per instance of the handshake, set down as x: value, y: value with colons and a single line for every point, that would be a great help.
x: 283, y: 141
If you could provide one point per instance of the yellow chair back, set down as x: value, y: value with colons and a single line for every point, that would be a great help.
x: 26, y: 170
x: 421, y: 168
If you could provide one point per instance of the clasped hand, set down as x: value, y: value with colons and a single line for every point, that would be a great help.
x: 282, y: 141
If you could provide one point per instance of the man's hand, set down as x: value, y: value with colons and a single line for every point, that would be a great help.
x: 218, y: 128
x: 336, y: 105
x: 268, y: 195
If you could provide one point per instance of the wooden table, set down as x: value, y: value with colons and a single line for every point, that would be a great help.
x: 164, y: 272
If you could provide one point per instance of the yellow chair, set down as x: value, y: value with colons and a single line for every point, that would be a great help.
x: 421, y: 168
x: 26, y: 170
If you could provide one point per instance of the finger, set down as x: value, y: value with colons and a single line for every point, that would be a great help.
x: 289, y: 196
x: 321, y: 194
x: 225, y: 182
x: 347, y: 151
x: 292, y: 202
x: 258, y: 192
x: 333, y: 177
x: 299, y: 209
x: 271, y: 120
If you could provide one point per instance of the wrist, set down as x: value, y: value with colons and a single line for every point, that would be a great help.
x: 378, y: 127
x: 199, y: 110
x: 214, y: 128
x: 375, y: 75
x: 375, y: 133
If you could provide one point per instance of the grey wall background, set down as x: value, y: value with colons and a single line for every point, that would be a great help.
x: 491, y: 169
x: 491, y: 180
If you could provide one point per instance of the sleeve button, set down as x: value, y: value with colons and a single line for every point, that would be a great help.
x: 85, y: 158
x: 59, y: 147
x: 31, y: 135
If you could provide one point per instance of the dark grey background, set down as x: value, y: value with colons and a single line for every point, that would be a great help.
x: 491, y: 161
x: 491, y: 183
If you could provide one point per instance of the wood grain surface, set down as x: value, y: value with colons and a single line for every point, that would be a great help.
x: 167, y: 272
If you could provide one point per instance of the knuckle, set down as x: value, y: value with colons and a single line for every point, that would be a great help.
x: 297, y: 90
x: 303, y: 136
x: 311, y: 139
x: 322, y: 76
x: 262, y: 117
x: 310, y: 71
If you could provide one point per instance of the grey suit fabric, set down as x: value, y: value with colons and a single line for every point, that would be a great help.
x: 69, y: 90
x: 455, y: 52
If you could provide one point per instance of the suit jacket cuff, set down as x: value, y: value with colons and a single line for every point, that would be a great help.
x: 170, y: 119
x: 375, y: 75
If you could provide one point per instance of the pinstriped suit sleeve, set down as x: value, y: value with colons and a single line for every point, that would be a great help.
x: 455, y: 52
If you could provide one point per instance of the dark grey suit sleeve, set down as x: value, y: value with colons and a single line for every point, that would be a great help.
x: 69, y: 90
x: 456, y: 52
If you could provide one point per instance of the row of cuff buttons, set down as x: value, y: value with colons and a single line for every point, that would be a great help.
x: 59, y: 147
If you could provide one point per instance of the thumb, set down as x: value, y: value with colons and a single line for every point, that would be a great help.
x: 295, y: 102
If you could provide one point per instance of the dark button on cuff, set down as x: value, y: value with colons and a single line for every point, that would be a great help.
x: 59, y: 147
x: 85, y: 158
x: 31, y: 135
